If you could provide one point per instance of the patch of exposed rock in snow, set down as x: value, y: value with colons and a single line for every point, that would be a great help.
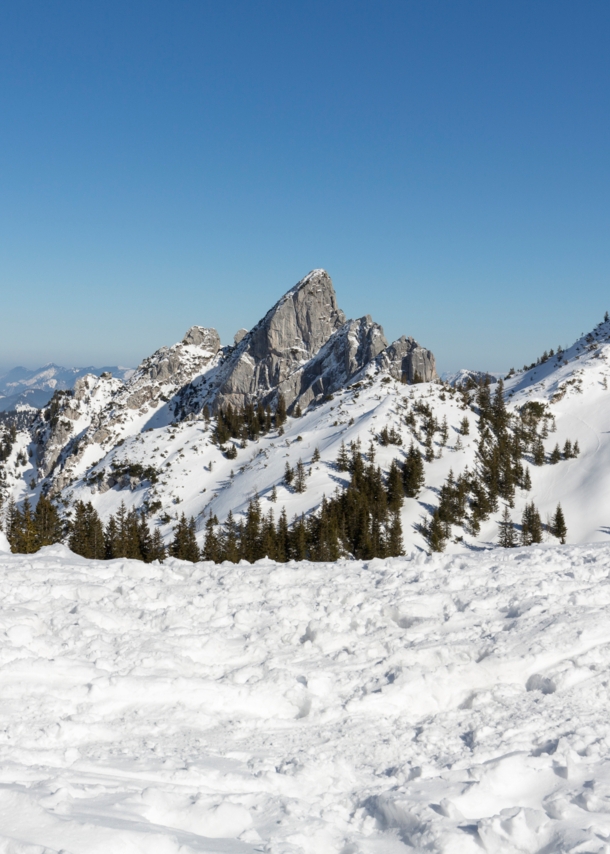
x: 446, y: 704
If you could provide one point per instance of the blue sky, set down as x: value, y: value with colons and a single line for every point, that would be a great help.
x: 164, y: 164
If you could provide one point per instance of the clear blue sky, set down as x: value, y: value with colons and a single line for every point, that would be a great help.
x: 175, y: 162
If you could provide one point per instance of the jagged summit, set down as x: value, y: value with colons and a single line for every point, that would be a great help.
x: 304, y: 349
x: 288, y: 336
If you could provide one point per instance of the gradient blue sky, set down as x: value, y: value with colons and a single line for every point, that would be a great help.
x: 170, y: 163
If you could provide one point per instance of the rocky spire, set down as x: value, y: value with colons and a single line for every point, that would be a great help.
x: 289, y: 335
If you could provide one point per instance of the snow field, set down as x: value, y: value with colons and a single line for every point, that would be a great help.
x: 454, y: 703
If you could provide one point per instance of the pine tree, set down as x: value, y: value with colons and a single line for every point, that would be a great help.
x: 288, y: 475
x: 21, y: 532
x: 230, y: 541
x: 273, y: 496
x: 558, y: 525
x: 280, y: 411
x: 538, y: 452
x: 413, y: 472
x: 464, y: 427
x: 316, y: 456
x: 300, y: 482
x: 395, y: 487
x: 157, y: 551
x: 435, y: 533
x: 251, y: 542
x: 527, y: 480
x: 395, y: 546
x: 47, y: 523
x: 531, y: 525
x: 343, y: 458
x: 211, y: 544
x: 86, y: 532
x: 145, y: 540
x: 507, y: 531
x: 184, y: 545
x: 555, y: 455
x: 567, y: 450
x: 499, y: 415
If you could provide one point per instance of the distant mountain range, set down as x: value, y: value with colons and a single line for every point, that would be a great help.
x: 26, y: 387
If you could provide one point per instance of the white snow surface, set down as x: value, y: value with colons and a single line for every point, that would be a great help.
x: 453, y: 703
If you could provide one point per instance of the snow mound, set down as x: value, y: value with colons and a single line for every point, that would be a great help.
x: 4, y: 546
x: 445, y: 703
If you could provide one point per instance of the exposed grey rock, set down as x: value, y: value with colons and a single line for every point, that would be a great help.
x: 289, y: 335
x: 343, y: 356
x: 239, y: 336
x: 200, y: 336
x: 404, y: 359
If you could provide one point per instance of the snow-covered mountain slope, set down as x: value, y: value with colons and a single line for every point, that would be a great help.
x: 303, y: 349
x: 445, y: 704
x: 149, y: 442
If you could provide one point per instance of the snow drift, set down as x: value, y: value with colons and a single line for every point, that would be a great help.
x: 447, y: 704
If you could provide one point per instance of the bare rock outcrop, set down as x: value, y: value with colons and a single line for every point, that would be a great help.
x: 407, y: 361
x: 289, y: 335
x: 343, y: 356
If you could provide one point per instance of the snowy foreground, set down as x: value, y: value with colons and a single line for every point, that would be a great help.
x: 455, y: 703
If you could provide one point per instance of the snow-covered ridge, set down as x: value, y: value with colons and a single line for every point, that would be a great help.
x: 445, y: 704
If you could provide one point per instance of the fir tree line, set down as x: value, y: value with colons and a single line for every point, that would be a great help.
x: 505, y: 442
x: 361, y: 521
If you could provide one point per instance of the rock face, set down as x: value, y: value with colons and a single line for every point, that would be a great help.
x: 407, y: 361
x: 283, y: 341
x: 304, y: 349
x: 343, y: 356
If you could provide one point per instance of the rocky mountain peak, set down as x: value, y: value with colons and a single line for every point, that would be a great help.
x: 200, y: 336
x: 289, y: 335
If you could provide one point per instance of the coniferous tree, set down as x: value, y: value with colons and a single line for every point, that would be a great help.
x: 230, y: 540
x: 47, y: 523
x: 395, y: 487
x: 567, y: 450
x: 87, y: 532
x: 507, y: 530
x: 413, y: 472
x: 251, y: 542
x: 395, y: 545
x: 538, y: 452
x: 211, y: 545
x: 531, y: 525
x: 288, y: 475
x: 157, y: 551
x: 435, y: 532
x: 184, y: 545
x: 280, y: 411
x: 558, y: 525
x: 555, y: 455
x: 300, y: 482
x: 343, y: 458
